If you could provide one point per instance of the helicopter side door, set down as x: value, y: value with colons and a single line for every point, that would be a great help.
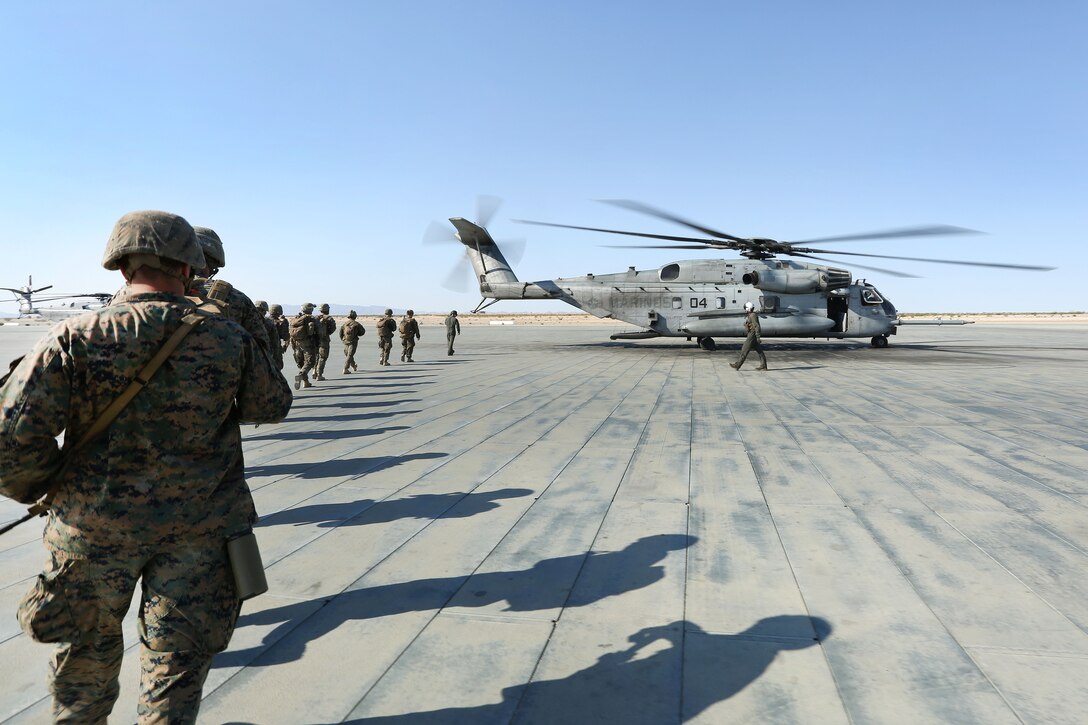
x: 837, y: 308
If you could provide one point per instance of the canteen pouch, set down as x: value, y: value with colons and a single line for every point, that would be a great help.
x: 45, y: 613
x: 246, y: 565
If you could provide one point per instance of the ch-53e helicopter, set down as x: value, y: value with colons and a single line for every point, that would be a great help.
x: 27, y: 297
x: 704, y: 299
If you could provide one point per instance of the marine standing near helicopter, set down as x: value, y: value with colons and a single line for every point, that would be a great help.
x: 350, y: 332
x: 409, y: 333
x: 386, y: 327
x: 751, y: 324
x: 453, y: 329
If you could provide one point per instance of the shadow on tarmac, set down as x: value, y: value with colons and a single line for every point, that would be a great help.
x: 642, y: 684
x: 549, y: 584
x: 337, y: 467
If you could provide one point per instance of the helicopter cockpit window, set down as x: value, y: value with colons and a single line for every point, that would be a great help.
x: 677, y: 303
x: 670, y: 272
x: 870, y: 296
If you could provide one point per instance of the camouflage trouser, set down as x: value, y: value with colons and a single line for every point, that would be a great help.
x: 385, y: 345
x: 322, y: 357
x: 349, y: 355
x: 751, y: 343
x: 305, y: 358
x: 407, y: 345
x: 449, y: 342
x: 187, y: 614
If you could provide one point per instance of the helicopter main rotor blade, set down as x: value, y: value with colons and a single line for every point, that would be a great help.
x: 998, y: 265
x: 668, y: 216
x: 711, y: 243
x: 892, y: 272
x: 925, y: 231
x: 702, y: 247
x: 34, y: 291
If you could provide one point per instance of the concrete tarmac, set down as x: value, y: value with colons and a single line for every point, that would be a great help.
x: 551, y: 527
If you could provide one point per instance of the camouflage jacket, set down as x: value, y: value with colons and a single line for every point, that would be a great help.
x: 386, y: 327
x: 169, y: 468
x: 241, y: 309
x: 283, y: 328
x: 325, y: 327
x: 351, y: 331
x: 273, y: 334
x: 410, y: 327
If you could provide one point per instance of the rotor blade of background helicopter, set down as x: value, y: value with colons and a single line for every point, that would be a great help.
x: 999, y: 265
x: 48, y: 286
x: 926, y: 231
x: 661, y: 214
x: 486, y: 206
x: 892, y: 272
x: 709, y: 242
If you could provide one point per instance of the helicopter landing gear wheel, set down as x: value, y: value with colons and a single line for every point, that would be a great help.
x: 707, y: 343
x: 879, y: 341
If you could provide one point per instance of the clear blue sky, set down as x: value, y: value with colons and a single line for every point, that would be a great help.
x: 321, y: 138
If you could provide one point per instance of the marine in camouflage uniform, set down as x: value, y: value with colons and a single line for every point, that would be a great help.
x: 409, y: 333
x: 304, y: 342
x: 386, y: 327
x: 350, y: 332
x: 326, y: 325
x: 152, y: 499
x: 453, y: 329
x: 237, y: 306
x: 273, y: 334
x: 283, y: 327
x: 752, y: 342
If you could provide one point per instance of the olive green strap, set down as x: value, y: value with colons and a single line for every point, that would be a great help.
x: 114, y: 409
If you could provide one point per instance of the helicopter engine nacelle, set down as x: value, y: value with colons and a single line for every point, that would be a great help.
x: 790, y: 281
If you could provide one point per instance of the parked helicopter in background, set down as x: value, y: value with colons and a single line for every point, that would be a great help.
x: 704, y: 299
x: 27, y: 297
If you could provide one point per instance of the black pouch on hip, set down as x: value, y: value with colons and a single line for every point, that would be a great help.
x: 246, y: 564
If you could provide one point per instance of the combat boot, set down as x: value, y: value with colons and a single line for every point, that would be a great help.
x: 762, y: 367
x: 306, y: 383
x: 347, y: 372
x: 402, y: 357
x: 734, y: 365
x: 298, y: 382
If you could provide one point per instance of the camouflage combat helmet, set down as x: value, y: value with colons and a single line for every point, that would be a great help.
x: 308, y: 307
x: 351, y: 314
x: 261, y: 305
x: 325, y: 309
x: 276, y: 310
x: 388, y: 311
x: 213, y: 247
x: 453, y: 313
x: 152, y: 234
x: 409, y: 313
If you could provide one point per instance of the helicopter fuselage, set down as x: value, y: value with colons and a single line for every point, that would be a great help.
x: 702, y: 299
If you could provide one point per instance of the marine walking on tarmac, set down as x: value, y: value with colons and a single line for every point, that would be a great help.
x: 273, y: 334
x: 304, y: 338
x: 153, y: 502
x: 283, y: 327
x: 752, y: 342
x: 326, y: 325
x: 409, y: 333
x: 386, y: 327
x: 453, y: 329
x: 350, y: 332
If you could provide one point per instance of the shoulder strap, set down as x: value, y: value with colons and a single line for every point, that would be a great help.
x: 114, y: 409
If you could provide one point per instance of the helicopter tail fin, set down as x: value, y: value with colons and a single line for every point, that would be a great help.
x: 491, y: 267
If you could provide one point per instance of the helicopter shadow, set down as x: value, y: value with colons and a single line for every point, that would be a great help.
x: 642, y: 683
x: 546, y: 585
x: 338, y: 467
x: 422, y: 506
